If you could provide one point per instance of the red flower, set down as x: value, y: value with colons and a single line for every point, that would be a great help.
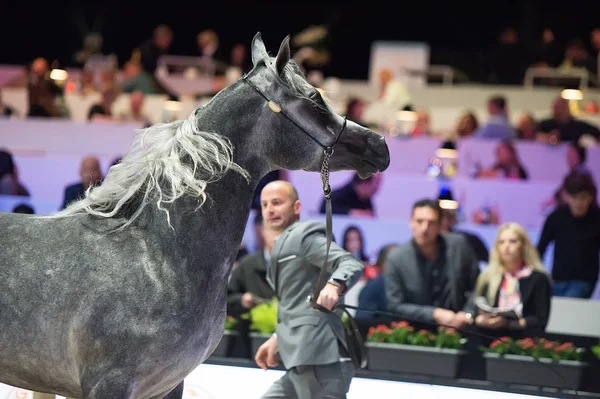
x: 399, y: 324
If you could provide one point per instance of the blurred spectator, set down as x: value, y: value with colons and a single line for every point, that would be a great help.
x: 577, y: 56
x: 136, y: 79
x: 576, y: 161
x: 209, y: 48
x: 421, y: 127
x: 159, y: 45
x: 103, y: 111
x: 527, y: 127
x: 516, y: 280
x: 353, y: 242
x: 355, y: 197
x: 372, y: 296
x: 467, y: 124
x: 507, y: 165
x: 239, y: 58
x: 563, y: 126
x: 548, y: 52
x: 9, y: 177
x: 355, y: 109
x: 90, y: 175
x: 248, y: 284
x: 42, y: 91
x: 448, y: 223
x: 497, y: 126
x: 134, y: 113
x: 575, y: 231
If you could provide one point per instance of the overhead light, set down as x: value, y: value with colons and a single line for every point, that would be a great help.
x: 59, y: 74
x: 448, y: 204
x: 173, y: 105
x: 407, y: 116
x: 446, y: 153
x: 572, y: 94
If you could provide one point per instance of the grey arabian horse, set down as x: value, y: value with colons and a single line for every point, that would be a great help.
x: 123, y: 294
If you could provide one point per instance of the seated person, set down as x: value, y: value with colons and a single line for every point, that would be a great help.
x: 431, y: 277
x: 507, y: 165
x: 9, y: 177
x: 514, y: 279
x: 563, y: 126
x: 450, y: 220
x: 90, y: 175
x: 575, y: 230
x: 372, y: 295
x: 355, y: 198
x: 248, y: 284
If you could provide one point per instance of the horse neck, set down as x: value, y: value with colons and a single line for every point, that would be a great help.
x: 213, y: 233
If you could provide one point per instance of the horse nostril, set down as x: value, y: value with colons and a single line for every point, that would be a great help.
x: 380, y: 150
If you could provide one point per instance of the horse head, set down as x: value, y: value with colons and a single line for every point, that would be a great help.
x: 302, y: 126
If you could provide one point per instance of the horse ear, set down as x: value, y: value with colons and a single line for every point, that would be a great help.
x: 259, y: 51
x: 283, y: 56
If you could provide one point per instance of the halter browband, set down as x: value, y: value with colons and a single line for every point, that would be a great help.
x: 328, y: 149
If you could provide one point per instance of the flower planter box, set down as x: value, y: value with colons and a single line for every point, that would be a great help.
x: 412, y: 359
x: 256, y: 340
x: 524, y: 370
x: 226, y: 342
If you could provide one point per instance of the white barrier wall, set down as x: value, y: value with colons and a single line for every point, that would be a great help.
x: 48, y: 153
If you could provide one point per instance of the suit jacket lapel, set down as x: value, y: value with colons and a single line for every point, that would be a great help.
x: 452, y: 274
x: 274, y: 269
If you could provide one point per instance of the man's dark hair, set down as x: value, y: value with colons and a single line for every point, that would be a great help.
x: 576, y: 183
x: 429, y: 203
x: 498, y: 101
x: 23, y: 208
x: 581, y: 151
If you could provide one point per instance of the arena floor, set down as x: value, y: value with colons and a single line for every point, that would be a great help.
x: 210, y: 381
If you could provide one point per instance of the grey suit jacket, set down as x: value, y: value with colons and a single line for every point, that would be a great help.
x: 407, y: 291
x: 306, y: 336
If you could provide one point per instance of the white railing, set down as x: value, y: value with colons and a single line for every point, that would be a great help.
x: 584, y: 76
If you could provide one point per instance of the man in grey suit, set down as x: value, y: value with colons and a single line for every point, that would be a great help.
x: 311, y: 343
x: 431, y: 277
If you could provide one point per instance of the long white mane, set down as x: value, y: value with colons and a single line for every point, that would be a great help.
x: 165, y: 162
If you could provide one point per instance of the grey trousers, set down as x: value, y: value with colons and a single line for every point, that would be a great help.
x: 331, y: 381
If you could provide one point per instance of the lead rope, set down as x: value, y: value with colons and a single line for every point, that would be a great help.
x: 353, y: 341
x: 328, y: 224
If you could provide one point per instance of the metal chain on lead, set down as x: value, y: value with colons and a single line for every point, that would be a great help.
x: 325, y: 172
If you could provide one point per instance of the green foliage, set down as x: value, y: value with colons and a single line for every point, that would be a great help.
x: 263, y: 317
x: 596, y: 350
x: 230, y: 322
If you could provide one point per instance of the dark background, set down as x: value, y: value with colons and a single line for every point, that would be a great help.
x: 459, y: 32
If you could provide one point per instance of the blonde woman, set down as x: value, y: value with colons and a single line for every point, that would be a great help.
x: 514, y: 279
